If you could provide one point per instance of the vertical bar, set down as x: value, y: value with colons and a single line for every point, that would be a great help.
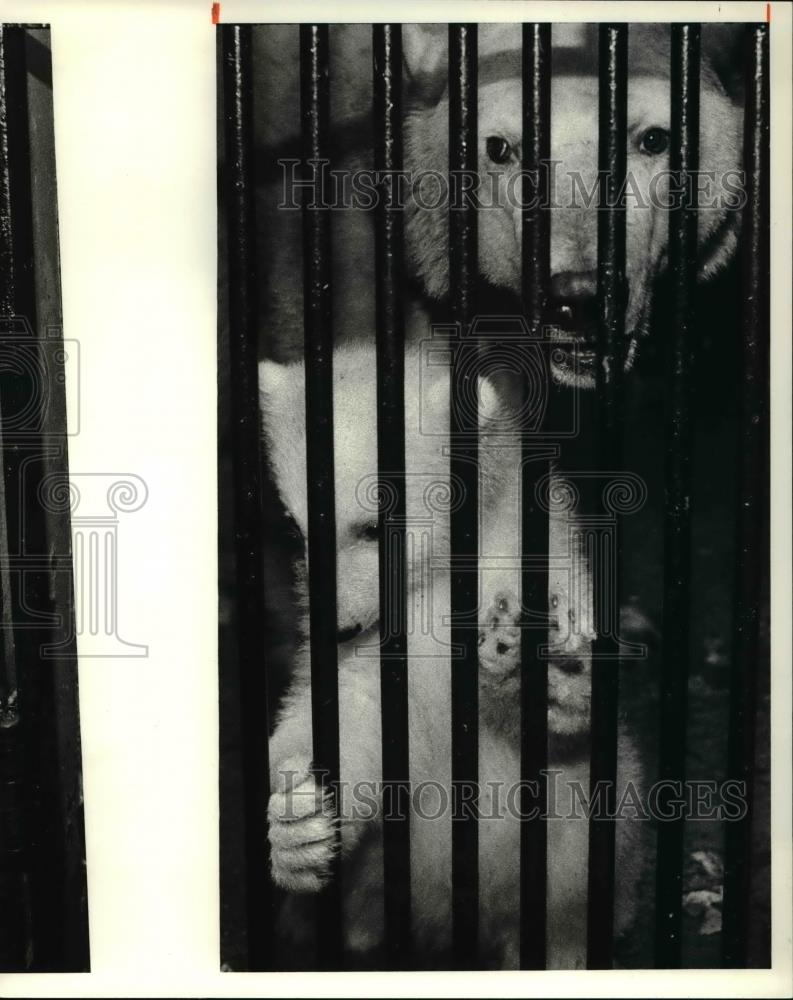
x: 15, y: 913
x: 535, y: 523
x: 464, y: 536
x: 752, y: 507
x: 612, y: 158
x: 71, y: 925
x: 389, y: 291
x: 238, y: 115
x: 41, y: 849
x: 315, y: 115
x: 23, y: 694
x: 683, y: 163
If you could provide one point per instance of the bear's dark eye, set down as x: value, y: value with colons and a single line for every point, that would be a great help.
x: 655, y: 141
x: 368, y: 531
x: 498, y: 149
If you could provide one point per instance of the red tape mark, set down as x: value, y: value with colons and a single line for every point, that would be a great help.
x: 768, y: 12
x: 216, y: 13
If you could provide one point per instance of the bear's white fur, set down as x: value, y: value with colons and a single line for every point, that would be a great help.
x: 301, y: 829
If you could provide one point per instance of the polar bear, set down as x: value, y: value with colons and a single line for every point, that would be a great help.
x: 301, y: 824
x: 574, y: 172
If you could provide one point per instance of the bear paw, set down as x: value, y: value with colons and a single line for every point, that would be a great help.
x: 704, y: 899
x: 499, y: 636
x: 302, y: 830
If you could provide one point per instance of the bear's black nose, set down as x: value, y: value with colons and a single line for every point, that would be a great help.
x: 572, y: 304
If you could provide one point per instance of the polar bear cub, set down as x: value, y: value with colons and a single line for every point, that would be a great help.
x: 302, y: 835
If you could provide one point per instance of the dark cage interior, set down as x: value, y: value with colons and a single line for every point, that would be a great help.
x: 607, y: 314
x: 43, y: 896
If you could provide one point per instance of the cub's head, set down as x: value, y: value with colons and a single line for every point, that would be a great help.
x: 283, y: 400
x: 573, y: 174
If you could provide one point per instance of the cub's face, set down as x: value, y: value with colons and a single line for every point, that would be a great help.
x: 573, y: 179
x: 355, y: 453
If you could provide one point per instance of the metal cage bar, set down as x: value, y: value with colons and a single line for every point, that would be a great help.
x: 390, y: 324
x: 752, y: 529
x: 464, y: 521
x: 43, y: 919
x: 242, y: 283
x: 321, y: 521
x: 683, y: 163
x: 15, y: 299
x: 536, y: 267
x: 612, y: 162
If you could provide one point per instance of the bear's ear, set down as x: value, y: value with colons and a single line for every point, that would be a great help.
x: 489, y: 400
x: 723, y: 52
x: 278, y: 386
x: 436, y: 399
x: 273, y: 379
x: 424, y: 48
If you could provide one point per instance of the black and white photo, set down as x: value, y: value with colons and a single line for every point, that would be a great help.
x: 493, y: 453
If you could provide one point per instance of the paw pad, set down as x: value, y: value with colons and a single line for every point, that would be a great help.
x: 499, y: 639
